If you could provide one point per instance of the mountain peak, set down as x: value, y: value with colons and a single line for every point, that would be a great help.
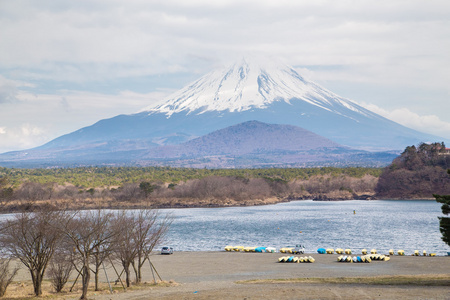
x: 249, y: 83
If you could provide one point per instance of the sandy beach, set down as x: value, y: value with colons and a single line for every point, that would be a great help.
x: 222, y: 275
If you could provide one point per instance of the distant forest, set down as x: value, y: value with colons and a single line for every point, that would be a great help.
x: 418, y: 173
x: 179, y: 187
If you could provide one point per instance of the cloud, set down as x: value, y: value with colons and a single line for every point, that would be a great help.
x: 21, y: 137
x: 94, y: 40
x: 53, y: 115
x: 428, y: 123
x: 8, y: 91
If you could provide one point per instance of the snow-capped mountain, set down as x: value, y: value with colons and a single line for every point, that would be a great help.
x: 251, y: 84
x: 258, y: 90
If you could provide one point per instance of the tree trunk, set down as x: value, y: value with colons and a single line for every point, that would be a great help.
x: 97, y: 268
x: 96, y: 280
x: 38, y: 285
x: 37, y: 282
x: 85, y: 276
x: 137, y: 271
x: 126, y: 267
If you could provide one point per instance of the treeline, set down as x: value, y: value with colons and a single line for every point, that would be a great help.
x: 93, y: 177
x: 419, y: 172
x: 55, y: 244
x: 207, y: 191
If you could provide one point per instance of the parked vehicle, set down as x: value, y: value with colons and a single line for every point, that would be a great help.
x: 299, y: 249
x: 167, y: 250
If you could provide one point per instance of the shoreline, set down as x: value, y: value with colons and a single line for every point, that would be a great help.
x: 21, y: 206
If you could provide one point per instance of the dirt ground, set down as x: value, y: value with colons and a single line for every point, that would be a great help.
x: 218, y: 275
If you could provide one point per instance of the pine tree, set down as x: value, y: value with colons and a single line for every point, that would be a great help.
x: 444, y: 222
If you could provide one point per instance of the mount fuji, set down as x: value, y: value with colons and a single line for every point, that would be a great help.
x: 249, y: 90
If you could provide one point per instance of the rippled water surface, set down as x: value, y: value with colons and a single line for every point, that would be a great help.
x: 407, y: 225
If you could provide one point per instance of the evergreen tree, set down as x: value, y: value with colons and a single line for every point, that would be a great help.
x: 444, y: 222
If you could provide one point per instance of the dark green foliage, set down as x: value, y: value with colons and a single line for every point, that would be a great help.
x: 85, y: 177
x: 417, y: 173
x: 146, y: 187
x: 6, y: 191
x: 444, y: 222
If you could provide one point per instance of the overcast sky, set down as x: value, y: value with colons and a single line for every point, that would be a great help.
x: 67, y: 64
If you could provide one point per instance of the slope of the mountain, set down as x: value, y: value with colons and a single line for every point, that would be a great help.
x: 256, y: 144
x: 248, y: 90
x: 245, y: 138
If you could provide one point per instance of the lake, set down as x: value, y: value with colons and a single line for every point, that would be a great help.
x: 382, y: 224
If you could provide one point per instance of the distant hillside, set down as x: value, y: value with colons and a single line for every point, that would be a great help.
x: 257, y: 144
x: 419, y: 172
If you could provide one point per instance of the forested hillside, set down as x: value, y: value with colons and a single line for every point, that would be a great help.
x: 173, y: 187
x: 419, y: 172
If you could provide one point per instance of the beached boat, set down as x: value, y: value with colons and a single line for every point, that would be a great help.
x: 238, y: 248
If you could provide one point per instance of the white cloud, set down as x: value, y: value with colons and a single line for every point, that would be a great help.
x: 21, y: 137
x: 429, y: 123
x: 58, y: 114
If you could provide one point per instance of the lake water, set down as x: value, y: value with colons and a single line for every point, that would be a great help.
x: 383, y: 225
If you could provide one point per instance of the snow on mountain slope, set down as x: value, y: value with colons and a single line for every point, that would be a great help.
x: 251, y: 84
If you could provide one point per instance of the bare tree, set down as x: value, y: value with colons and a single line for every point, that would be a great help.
x: 150, y: 229
x: 6, y: 276
x: 87, y: 232
x: 100, y: 254
x: 60, y: 269
x: 125, y: 245
x: 31, y: 238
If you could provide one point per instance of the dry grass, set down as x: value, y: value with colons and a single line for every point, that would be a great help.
x: 416, y: 280
x: 24, y: 290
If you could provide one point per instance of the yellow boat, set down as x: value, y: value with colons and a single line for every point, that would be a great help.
x: 391, y: 252
x: 283, y: 258
x: 249, y: 249
x: 373, y: 251
x: 348, y: 251
x: 401, y: 252
x: 238, y: 248
x: 286, y: 250
x: 339, y: 251
x: 364, y: 251
x: 228, y: 248
x: 330, y: 251
x: 416, y: 252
